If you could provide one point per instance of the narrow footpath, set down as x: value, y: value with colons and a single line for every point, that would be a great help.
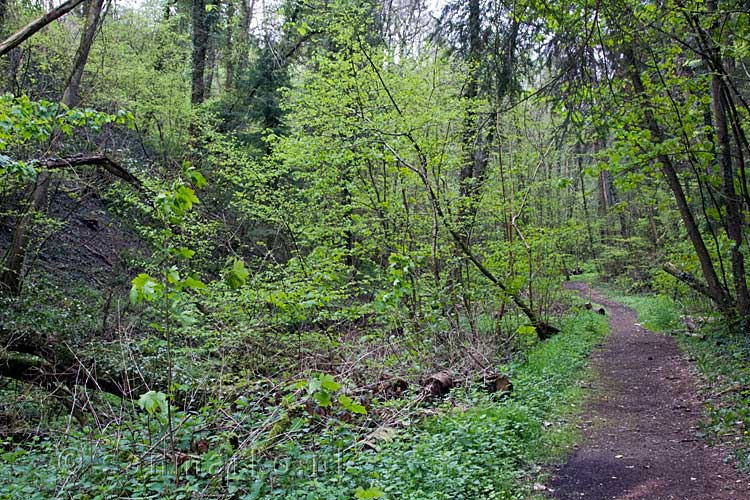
x: 640, y: 425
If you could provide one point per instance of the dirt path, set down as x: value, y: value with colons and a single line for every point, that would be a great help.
x: 640, y: 425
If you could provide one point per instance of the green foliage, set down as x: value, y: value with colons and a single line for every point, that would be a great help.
x: 25, y: 123
x: 237, y: 275
x: 659, y: 313
x: 475, y: 446
x: 154, y: 403
x: 721, y: 354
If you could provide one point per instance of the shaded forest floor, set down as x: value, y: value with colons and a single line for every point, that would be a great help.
x: 640, y: 426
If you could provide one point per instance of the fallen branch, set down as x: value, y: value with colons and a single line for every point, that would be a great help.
x: 40, y: 371
x: 689, y: 279
x: 98, y: 160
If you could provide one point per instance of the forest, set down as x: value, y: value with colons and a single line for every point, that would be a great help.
x: 351, y: 249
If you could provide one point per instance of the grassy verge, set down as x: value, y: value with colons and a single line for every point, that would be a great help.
x: 493, y: 449
x: 722, y: 356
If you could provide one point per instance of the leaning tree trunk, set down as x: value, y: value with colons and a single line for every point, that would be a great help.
x: 11, y: 280
x: 71, y: 95
x: 37, y: 24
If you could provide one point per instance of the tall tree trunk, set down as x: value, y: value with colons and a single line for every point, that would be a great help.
x: 243, y: 37
x: 586, y: 216
x: 71, y: 95
x: 475, y: 157
x: 211, y: 59
x: 720, y: 96
x: 200, y: 45
x: 230, y: 50
x: 3, y: 14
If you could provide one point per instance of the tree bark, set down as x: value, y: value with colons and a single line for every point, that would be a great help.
x: 475, y: 158
x: 720, y: 97
x: 243, y: 37
x: 200, y: 46
x: 230, y: 59
x: 71, y: 96
x: 10, y: 279
x: 3, y: 14
x: 30, y: 29
x: 689, y: 279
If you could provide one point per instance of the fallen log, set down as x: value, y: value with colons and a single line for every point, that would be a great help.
x: 545, y: 330
x: 391, y: 387
x: 438, y: 384
x: 37, y: 370
x: 96, y: 160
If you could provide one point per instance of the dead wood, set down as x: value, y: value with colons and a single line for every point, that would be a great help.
x: 98, y: 160
x: 438, y: 384
x: 497, y: 383
x: 545, y: 330
x: 391, y: 387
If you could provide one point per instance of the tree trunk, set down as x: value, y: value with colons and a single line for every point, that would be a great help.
x: 3, y: 14
x: 230, y: 59
x: 200, y: 43
x: 71, y: 95
x: 10, y: 279
x: 719, y: 103
x: 474, y: 163
x: 243, y: 37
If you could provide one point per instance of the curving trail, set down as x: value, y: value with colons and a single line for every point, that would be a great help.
x: 640, y: 426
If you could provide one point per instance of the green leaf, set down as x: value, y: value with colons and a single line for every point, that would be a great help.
x: 329, y: 383
x: 144, y: 287
x: 173, y: 275
x: 323, y: 398
x: 194, y: 283
x: 348, y: 404
x: 197, y: 179
x: 152, y: 401
x: 236, y: 277
x: 526, y: 330
x: 371, y: 492
x: 185, y: 253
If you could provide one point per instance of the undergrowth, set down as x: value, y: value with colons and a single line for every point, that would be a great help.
x: 470, y: 445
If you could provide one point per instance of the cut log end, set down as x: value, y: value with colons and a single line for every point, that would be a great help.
x: 545, y: 330
x: 438, y: 384
x: 497, y: 383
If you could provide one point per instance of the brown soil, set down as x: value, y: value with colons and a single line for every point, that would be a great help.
x: 640, y: 425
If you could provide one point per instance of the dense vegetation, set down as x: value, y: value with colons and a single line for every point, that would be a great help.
x: 298, y: 249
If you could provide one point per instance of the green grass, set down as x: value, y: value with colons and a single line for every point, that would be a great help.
x: 494, y: 449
